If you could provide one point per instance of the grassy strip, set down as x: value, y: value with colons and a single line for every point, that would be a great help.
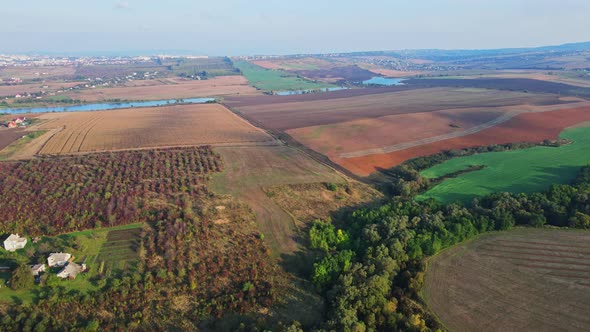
x: 15, y: 146
x: 275, y: 80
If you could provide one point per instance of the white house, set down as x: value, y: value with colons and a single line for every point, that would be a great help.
x: 37, y: 269
x: 14, y: 242
x: 71, y: 270
x: 58, y: 259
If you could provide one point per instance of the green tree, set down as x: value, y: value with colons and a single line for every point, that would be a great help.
x: 22, y: 277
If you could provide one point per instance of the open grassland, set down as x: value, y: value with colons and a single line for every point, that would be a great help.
x: 171, y: 89
x: 527, y: 127
x: 275, y: 80
x: 166, y: 126
x: 325, y: 111
x: 526, y: 170
x: 519, y: 280
x: 250, y: 169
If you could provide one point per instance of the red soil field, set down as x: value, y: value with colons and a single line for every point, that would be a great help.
x: 526, y: 127
x: 363, y: 134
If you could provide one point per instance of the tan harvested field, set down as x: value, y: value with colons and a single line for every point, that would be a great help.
x: 12, y: 90
x: 43, y: 72
x: 170, y: 89
x: 249, y: 169
x: 290, y: 115
x: 147, y: 127
x: 519, y: 280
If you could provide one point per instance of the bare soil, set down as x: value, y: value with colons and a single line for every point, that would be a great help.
x: 520, y: 280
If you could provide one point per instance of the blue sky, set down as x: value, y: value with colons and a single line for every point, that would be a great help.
x: 239, y: 27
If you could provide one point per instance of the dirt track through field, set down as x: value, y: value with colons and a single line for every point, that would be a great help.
x: 402, y: 146
x: 500, y: 119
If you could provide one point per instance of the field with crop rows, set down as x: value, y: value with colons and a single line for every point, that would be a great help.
x: 519, y: 280
x: 102, y: 189
x: 165, y: 126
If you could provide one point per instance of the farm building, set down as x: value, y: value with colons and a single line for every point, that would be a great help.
x: 37, y: 269
x: 11, y: 124
x: 58, y: 259
x: 14, y: 242
x: 71, y: 270
x: 20, y: 120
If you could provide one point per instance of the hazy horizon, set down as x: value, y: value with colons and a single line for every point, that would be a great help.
x: 237, y: 28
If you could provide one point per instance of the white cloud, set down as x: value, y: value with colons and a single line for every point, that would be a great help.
x: 122, y: 5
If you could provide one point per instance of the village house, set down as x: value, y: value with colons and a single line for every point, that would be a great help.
x: 19, y: 120
x: 58, y: 259
x: 14, y: 242
x: 71, y: 270
x: 37, y: 269
x: 11, y: 124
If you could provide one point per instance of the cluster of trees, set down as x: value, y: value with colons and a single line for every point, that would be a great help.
x: 371, y: 269
x: 105, y: 189
x: 190, y: 270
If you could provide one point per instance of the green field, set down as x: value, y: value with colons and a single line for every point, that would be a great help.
x: 110, y: 249
x: 527, y: 170
x: 275, y: 80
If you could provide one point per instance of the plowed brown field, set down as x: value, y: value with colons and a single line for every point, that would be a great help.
x: 148, y: 127
x: 217, y: 86
x: 526, y: 127
x: 345, y: 137
x: 298, y: 114
x: 520, y: 280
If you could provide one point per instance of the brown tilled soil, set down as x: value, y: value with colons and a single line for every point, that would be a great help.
x: 351, y: 136
x: 302, y: 112
x: 520, y: 280
x: 350, y: 73
x: 8, y: 136
x: 527, y: 127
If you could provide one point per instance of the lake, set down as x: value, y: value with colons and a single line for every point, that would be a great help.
x: 105, y: 106
x: 384, y: 81
x: 300, y: 92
